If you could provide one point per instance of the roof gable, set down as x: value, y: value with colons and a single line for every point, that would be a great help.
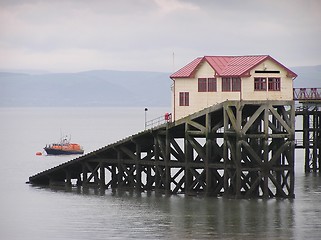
x: 236, y: 66
x: 188, y: 70
x: 218, y: 63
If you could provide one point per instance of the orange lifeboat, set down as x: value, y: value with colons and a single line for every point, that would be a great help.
x: 63, y: 148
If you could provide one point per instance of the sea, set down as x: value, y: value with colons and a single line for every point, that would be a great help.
x: 36, y: 213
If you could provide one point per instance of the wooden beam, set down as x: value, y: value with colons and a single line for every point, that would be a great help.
x: 282, y: 122
x: 197, y: 147
x: 179, y: 152
x: 252, y: 119
x: 196, y: 125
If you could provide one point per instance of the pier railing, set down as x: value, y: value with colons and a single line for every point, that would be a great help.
x: 307, y: 94
x: 167, y: 117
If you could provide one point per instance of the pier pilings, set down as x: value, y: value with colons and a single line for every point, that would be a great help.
x: 310, y: 135
x: 236, y: 149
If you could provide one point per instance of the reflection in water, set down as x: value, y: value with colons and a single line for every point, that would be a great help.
x: 187, y: 217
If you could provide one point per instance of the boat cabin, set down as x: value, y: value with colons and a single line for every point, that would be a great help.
x: 210, y: 80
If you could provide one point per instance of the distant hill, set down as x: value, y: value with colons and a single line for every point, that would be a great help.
x: 90, y: 88
x: 308, y: 77
x: 105, y: 88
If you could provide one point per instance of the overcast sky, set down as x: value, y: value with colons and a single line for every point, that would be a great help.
x: 80, y: 35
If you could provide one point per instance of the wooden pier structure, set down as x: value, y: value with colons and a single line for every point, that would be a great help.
x: 236, y: 149
x: 309, y: 109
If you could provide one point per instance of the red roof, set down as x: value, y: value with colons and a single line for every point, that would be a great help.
x: 232, y: 66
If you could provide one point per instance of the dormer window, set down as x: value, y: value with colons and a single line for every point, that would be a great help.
x: 274, y: 84
x: 259, y: 84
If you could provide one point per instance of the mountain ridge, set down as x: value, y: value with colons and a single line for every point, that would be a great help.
x: 102, y: 88
x: 88, y: 88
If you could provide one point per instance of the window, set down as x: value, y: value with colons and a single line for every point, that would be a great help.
x: 184, y: 98
x: 274, y: 84
x: 259, y: 84
x: 236, y: 84
x: 231, y: 84
x: 226, y: 84
x: 207, y: 85
x: 202, y: 85
x: 211, y: 87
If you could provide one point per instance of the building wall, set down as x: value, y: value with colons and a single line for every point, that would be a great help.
x: 286, y: 92
x: 201, y: 100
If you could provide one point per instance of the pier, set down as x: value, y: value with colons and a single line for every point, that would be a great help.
x: 309, y: 110
x: 235, y: 149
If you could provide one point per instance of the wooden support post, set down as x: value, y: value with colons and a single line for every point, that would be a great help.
x: 120, y: 170
x: 238, y: 146
x: 84, y: 174
x: 237, y: 161
x: 314, y: 146
x: 138, y: 186
x: 227, y: 170
x: 168, y: 178
x: 188, y: 159
x: 318, y: 140
x: 291, y: 158
x: 149, y: 178
x: 265, y: 166
x: 306, y: 141
x: 209, y: 146
x: 102, y: 175
x: 158, y: 180
x: 280, y: 160
x: 114, y: 177
x: 68, y: 178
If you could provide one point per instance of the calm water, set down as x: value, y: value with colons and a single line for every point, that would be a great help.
x: 39, y: 213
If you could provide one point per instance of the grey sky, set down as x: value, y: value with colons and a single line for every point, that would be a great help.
x: 78, y: 35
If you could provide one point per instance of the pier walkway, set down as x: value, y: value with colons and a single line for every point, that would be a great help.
x: 238, y: 149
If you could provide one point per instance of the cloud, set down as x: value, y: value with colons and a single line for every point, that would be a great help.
x: 143, y: 34
x: 170, y: 6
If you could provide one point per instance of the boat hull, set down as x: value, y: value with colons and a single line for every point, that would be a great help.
x: 52, y: 151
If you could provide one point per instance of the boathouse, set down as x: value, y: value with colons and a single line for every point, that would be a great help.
x: 210, y: 80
